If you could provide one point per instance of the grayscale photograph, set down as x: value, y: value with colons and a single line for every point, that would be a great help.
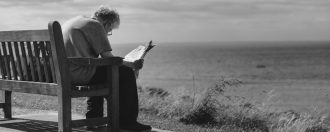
x: 165, y: 66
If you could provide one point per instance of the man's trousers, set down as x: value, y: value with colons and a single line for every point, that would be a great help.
x: 128, y: 98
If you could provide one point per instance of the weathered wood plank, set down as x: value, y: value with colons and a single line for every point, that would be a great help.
x: 2, y: 105
x: 19, y: 63
x: 95, y: 61
x: 12, y: 60
x: 91, y: 121
x: 36, y: 56
x: 6, y: 60
x: 110, y: 109
x: 29, y: 87
x: 114, y: 72
x: 26, y: 69
x: 44, y: 61
x: 24, y: 35
x: 7, y: 108
x: 51, y: 63
x: 31, y: 62
x: 62, y: 76
x: 2, y: 64
x: 97, y: 92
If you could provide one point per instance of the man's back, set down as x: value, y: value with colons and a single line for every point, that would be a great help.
x: 84, y: 37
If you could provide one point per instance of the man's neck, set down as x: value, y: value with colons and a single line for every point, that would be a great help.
x: 97, y: 19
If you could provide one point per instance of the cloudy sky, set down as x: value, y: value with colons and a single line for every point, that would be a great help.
x: 184, y: 20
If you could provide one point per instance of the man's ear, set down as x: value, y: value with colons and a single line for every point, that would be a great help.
x: 105, y: 23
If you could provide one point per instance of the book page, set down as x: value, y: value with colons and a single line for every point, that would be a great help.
x: 135, y: 54
x: 139, y: 52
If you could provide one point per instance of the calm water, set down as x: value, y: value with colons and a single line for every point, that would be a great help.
x: 177, y: 65
x: 283, y: 75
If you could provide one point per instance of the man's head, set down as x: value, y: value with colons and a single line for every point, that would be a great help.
x: 108, y: 17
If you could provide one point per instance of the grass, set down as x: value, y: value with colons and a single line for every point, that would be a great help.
x: 215, y: 109
x: 212, y: 109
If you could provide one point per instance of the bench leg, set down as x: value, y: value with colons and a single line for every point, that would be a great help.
x: 109, y: 116
x: 113, y: 103
x: 64, y: 114
x: 7, y: 107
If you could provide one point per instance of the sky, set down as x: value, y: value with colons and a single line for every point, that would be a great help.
x: 184, y: 20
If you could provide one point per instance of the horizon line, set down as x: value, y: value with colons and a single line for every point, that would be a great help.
x: 226, y: 41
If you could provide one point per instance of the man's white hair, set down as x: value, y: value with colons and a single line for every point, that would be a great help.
x: 106, y: 14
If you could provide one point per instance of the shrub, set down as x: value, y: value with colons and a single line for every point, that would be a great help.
x: 214, y: 108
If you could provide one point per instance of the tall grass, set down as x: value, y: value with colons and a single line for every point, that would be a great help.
x: 212, y: 108
x: 217, y: 109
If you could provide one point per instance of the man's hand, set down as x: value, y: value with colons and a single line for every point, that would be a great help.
x: 138, y: 64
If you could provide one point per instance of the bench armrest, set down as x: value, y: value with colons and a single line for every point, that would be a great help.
x: 95, y: 61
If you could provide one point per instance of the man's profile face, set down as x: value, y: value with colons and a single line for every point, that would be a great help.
x: 109, y: 27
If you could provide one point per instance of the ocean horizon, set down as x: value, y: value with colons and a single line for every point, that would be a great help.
x: 298, y: 73
x: 172, y: 62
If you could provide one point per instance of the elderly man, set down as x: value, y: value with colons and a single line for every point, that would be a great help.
x: 87, y: 37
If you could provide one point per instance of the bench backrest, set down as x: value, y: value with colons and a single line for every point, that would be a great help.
x: 26, y: 59
x: 35, y: 56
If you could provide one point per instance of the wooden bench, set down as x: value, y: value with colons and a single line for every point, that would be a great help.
x: 34, y: 61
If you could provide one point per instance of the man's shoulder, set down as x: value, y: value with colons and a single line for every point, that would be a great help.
x: 80, y: 22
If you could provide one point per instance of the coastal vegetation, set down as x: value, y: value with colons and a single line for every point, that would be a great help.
x: 211, y: 109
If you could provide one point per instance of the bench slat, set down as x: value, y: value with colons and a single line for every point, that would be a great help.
x: 45, y: 62
x: 19, y: 63
x: 25, y: 35
x: 12, y: 60
x: 51, y: 63
x: 30, y: 63
x: 6, y: 60
x: 36, y: 56
x: 2, y: 63
x: 26, y: 74
x: 29, y: 87
x: 2, y: 66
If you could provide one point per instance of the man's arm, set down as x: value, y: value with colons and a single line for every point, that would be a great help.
x: 107, y: 54
x: 138, y: 64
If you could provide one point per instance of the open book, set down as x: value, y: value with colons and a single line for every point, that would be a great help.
x: 138, y: 53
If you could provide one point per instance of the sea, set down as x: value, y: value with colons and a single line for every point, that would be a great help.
x: 293, y: 69
x: 172, y: 65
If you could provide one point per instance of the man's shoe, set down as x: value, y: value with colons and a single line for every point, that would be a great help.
x: 136, y: 127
